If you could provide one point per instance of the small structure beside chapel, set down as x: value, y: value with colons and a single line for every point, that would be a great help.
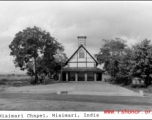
x: 81, y: 66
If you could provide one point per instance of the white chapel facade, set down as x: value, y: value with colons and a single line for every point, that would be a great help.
x: 81, y: 66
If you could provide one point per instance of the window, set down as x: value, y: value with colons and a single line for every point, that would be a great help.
x: 81, y: 53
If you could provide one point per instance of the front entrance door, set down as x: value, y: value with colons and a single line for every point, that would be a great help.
x: 81, y: 76
x: 99, y: 77
x: 90, y: 76
x: 63, y: 76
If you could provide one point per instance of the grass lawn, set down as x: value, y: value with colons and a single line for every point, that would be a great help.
x: 42, y: 97
x: 53, y: 102
x: 147, y: 91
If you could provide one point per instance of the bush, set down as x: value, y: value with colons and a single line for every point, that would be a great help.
x: 3, y: 82
x: 122, y: 79
x: 33, y: 82
x: 138, y: 82
x: 109, y: 80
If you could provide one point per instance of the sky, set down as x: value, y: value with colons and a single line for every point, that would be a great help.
x: 65, y: 20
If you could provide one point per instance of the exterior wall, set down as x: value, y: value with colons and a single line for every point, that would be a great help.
x: 72, y: 64
x: 81, y: 64
x: 87, y: 61
x: 90, y: 64
x: 74, y: 59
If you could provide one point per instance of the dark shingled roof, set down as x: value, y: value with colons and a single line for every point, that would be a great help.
x: 75, y: 69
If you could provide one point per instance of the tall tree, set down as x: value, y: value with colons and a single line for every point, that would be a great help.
x: 124, y: 75
x: 33, y: 48
x: 110, y: 54
x: 60, y: 59
x: 141, y: 61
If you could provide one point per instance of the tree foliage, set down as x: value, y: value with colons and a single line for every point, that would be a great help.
x: 33, y: 49
x: 110, y: 54
x: 122, y: 62
x: 141, y: 61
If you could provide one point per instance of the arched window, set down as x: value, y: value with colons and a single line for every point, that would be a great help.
x: 81, y: 53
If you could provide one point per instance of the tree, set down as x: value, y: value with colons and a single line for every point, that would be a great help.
x: 61, y: 59
x: 141, y: 61
x: 124, y: 75
x: 33, y: 48
x: 110, y: 54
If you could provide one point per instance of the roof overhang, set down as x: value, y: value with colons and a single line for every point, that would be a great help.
x: 75, y: 69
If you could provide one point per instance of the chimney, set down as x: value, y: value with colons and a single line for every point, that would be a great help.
x: 82, y: 40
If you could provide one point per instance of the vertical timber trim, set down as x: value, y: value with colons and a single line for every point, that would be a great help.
x: 86, y: 76
x: 86, y: 58
x: 76, y: 76
x: 77, y: 59
x: 67, y: 76
x: 95, y: 77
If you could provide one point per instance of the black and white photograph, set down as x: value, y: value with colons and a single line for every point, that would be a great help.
x: 75, y: 59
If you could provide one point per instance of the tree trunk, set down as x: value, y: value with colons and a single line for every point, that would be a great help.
x: 36, y: 77
x: 147, y: 82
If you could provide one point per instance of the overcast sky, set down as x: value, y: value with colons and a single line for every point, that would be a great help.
x: 131, y: 21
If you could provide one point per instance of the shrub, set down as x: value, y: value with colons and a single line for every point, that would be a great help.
x: 33, y: 82
x: 109, y: 80
x: 3, y: 82
x: 122, y: 79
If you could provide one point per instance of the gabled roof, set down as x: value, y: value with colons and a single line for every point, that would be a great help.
x: 85, y: 50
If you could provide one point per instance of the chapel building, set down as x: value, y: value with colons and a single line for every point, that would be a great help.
x: 81, y: 66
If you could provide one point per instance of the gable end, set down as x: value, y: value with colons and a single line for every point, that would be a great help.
x: 85, y: 50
